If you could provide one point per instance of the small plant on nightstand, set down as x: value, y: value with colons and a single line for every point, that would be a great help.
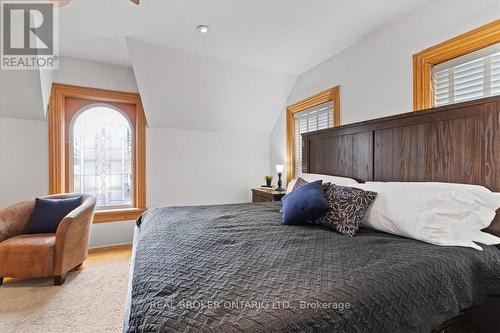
x: 268, y: 179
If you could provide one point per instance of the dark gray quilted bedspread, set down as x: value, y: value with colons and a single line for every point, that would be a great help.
x: 236, y: 268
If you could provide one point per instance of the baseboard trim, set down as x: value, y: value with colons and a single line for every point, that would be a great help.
x: 125, y: 246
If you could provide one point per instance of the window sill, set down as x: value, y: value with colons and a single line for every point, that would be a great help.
x: 114, y: 215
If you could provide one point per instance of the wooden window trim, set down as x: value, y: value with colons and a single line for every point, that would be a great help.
x: 423, y: 61
x: 332, y: 94
x: 58, y: 174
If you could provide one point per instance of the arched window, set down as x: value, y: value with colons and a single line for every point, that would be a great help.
x: 102, y: 156
x: 97, y: 145
x: 317, y: 112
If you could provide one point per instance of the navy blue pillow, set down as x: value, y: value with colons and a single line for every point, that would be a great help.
x: 304, y: 204
x: 48, y: 213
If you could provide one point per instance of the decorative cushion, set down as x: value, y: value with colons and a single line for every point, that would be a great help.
x: 311, y: 177
x: 305, y: 204
x: 347, y: 207
x: 48, y: 213
x: 301, y: 182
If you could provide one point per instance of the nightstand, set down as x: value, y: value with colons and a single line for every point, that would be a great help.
x: 266, y: 195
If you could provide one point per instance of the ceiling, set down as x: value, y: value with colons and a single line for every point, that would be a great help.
x: 185, y: 90
x: 280, y: 36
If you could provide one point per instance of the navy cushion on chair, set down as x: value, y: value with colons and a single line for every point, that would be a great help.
x: 304, y: 204
x: 48, y: 213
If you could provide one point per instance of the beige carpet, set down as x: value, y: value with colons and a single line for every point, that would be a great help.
x: 91, y: 300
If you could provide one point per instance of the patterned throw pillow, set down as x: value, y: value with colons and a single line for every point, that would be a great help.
x: 347, y: 207
x: 301, y: 182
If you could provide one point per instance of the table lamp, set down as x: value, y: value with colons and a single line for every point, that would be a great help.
x: 279, y: 170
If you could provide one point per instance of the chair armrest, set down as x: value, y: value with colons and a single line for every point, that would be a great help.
x: 72, y: 236
x: 13, y: 219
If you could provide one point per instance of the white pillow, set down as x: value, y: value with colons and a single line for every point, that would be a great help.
x: 311, y: 177
x: 437, y: 213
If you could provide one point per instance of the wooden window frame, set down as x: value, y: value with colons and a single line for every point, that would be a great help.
x: 423, y: 61
x: 332, y: 94
x: 58, y: 154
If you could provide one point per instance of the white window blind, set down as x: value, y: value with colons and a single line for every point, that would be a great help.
x: 312, y: 119
x: 472, y: 76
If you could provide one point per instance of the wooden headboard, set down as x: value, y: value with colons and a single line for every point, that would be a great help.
x: 458, y: 143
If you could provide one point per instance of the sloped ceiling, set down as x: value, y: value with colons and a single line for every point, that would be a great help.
x: 230, y: 79
x: 286, y: 36
x: 186, y: 90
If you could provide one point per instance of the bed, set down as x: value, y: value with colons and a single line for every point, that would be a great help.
x: 236, y: 268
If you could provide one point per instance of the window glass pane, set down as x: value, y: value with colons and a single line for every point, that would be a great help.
x: 102, y: 156
x: 313, y: 119
x: 472, y: 76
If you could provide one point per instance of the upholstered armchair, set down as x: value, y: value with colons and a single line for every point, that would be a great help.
x: 44, y: 255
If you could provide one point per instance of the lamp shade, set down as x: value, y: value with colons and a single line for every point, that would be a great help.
x: 279, y: 168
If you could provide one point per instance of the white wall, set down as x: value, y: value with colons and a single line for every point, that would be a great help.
x: 375, y: 75
x: 46, y: 80
x: 21, y: 95
x: 111, y: 233
x: 277, y: 148
x: 24, y: 155
x: 96, y: 75
x: 186, y: 167
x: 209, y: 124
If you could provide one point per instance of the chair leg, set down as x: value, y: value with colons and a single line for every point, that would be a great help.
x: 78, y: 267
x: 59, y: 279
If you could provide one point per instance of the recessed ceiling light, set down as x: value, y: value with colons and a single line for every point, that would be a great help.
x: 203, y: 28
